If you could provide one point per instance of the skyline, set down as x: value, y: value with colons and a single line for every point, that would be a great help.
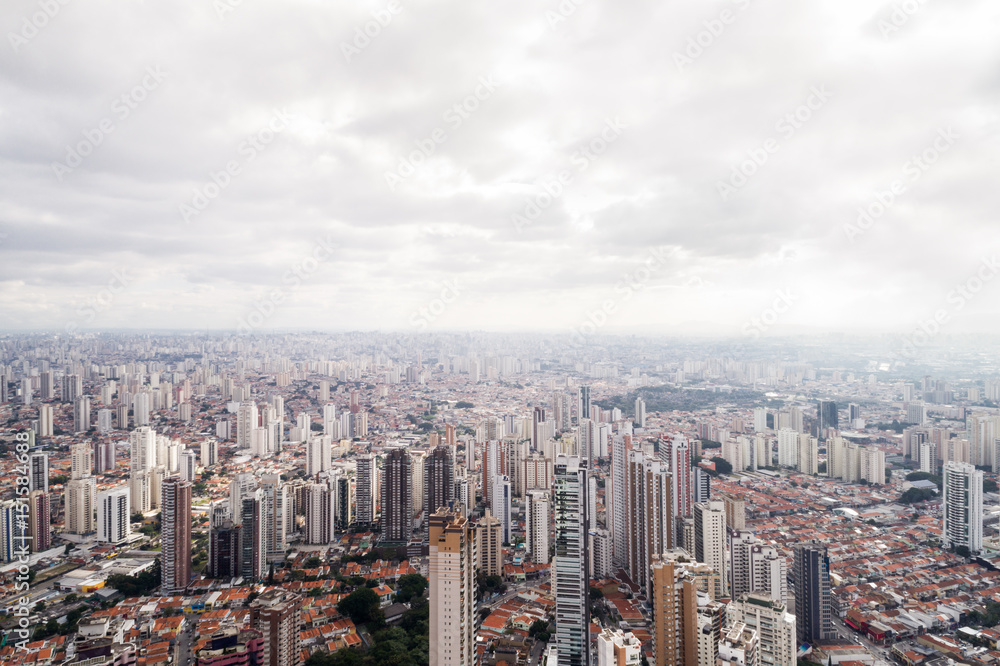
x: 524, y: 165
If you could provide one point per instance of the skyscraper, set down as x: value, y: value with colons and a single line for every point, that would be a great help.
x: 39, y: 519
x: 774, y: 625
x: 678, y: 457
x: 277, y: 515
x: 813, y: 608
x: 617, y: 506
x: 962, y: 507
x: 113, y: 517
x: 536, y: 526
x: 319, y: 527
x: 452, y: 589
x: 397, y: 496
x: 81, y: 497
x: 501, y: 505
x: 247, y: 421
x: 640, y: 412
x: 675, y: 608
x: 38, y: 471
x: 570, y: 565
x: 489, y: 544
x: 276, y: 614
x: 319, y: 456
x: 826, y: 417
x: 583, y: 402
x: 710, y: 540
x: 224, y: 550
x: 175, y: 519
x: 253, y: 540
x: 45, y: 425
x: 366, y: 484
x: 649, y: 518
x: 81, y: 460
x: 81, y: 414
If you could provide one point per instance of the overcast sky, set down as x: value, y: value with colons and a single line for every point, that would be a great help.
x: 115, y: 114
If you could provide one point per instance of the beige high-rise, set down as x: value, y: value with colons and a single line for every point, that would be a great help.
x: 452, y: 588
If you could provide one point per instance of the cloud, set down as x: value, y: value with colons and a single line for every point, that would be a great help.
x: 558, y: 83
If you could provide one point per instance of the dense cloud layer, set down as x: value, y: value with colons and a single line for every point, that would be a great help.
x: 584, y: 163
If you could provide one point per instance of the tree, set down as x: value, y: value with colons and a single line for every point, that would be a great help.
x: 914, y: 495
x: 722, y: 466
x: 462, y: 404
x: 410, y: 586
x: 361, y: 605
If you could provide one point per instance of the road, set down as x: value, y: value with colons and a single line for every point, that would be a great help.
x: 183, y: 647
x: 880, y: 652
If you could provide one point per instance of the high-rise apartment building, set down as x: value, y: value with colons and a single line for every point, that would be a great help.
x: 366, y: 484
x: 962, y: 507
x: 775, y: 627
x: 570, y: 565
x: 38, y: 471
x: 501, y: 505
x: 175, y: 519
x: 439, y: 481
x: 114, y: 522
x: 489, y: 544
x: 813, y: 599
x: 649, y: 518
x: 537, y: 520
x: 81, y: 498
x: 39, y: 520
x: 81, y: 414
x: 675, y: 610
x: 81, y: 460
x: 710, y: 540
x: 276, y: 614
x: 45, y: 423
x: 452, y: 589
x: 397, y: 496
x: 320, y: 518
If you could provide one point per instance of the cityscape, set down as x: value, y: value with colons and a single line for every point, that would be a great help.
x: 326, y: 499
x: 533, y: 333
